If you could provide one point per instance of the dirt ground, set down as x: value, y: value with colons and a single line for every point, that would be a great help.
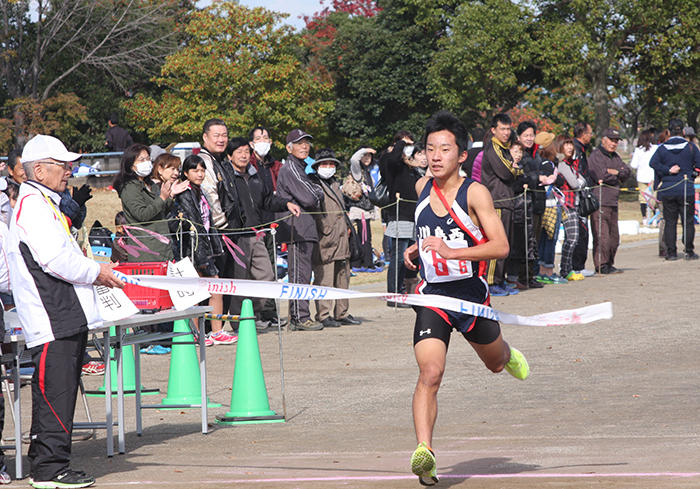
x: 612, y: 404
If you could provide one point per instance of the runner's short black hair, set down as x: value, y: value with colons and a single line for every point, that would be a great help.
x: 446, y: 121
x: 503, y: 118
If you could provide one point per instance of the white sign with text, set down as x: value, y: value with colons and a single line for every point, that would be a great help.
x: 184, y: 299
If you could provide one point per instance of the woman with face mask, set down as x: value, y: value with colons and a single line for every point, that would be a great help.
x: 331, y: 263
x: 145, y: 207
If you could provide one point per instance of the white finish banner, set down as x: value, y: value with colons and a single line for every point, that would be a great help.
x: 277, y: 290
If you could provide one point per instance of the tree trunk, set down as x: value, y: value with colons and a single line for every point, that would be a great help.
x: 692, y: 112
x: 597, y: 72
x: 18, y: 116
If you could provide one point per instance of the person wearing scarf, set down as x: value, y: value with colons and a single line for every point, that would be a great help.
x: 498, y: 175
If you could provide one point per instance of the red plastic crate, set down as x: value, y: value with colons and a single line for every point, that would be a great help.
x: 144, y: 297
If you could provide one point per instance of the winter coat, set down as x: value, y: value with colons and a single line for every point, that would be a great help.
x: 255, y: 197
x: 400, y: 179
x: 497, y: 177
x: 676, y: 151
x: 144, y: 209
x: 293, y: 185
x: 331, y: 224
x: 598, y: 164
x: 207, y: 244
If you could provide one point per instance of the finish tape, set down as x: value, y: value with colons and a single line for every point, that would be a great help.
x: 277, y: 290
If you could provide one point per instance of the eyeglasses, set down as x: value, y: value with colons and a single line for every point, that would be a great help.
x: 67, y: 165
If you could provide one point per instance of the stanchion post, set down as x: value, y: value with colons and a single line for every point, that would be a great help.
x: 273, y: 232
x: 600, y: 226
x: 396, y: 242
x: 685, y: 206
x: 527, y: 236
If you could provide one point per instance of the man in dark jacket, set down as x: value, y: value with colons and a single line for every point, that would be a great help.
x: 253, y: 196
x: 118, y: 138
x: 268, y: 168
x: 220, y: 193
x: 607, y: 168
x: 583, y: 132
x: 674, y: 162
x: 477, y: 147
x: 498, y: 175
x: 299, y: 231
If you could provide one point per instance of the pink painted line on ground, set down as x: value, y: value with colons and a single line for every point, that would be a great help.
x: 412, y: 477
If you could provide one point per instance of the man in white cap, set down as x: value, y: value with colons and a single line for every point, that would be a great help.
x: 56, y: 304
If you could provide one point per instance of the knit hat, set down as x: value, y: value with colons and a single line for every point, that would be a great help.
x: 325, y: 154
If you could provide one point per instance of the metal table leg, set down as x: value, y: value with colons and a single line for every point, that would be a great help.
x: 108, y: 395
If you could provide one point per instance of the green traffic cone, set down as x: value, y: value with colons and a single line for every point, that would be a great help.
x: 249, y: 403
x: 185, y: 380
x: 128, y: 370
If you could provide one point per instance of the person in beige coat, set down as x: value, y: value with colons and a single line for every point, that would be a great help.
x: 332, y: 255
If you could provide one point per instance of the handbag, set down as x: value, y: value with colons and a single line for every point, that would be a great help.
x: 587, y: 202
x: 355, y: 243
x: 379, y: 195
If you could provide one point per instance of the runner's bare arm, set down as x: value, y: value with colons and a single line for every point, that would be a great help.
x: 483, y: 214
x: 412, y: 251
x: 409, y: 255
x: 420, y: 184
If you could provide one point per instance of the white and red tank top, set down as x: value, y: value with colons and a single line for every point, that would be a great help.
x: 434, y: 268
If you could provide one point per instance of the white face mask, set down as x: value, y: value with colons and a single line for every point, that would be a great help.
x: 326, y: 173
x: 262, y: 148
x: 144, y: 168
x: 408, y: 151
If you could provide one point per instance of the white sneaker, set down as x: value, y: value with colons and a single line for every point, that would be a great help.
x: 586, y: 273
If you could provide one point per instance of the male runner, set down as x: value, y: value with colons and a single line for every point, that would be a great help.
x: 452, y: 242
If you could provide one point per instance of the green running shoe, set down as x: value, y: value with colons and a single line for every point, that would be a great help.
x: 424, y: 466
x: 517, y: 365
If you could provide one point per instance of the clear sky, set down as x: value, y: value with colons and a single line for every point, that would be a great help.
x: 293, y: 7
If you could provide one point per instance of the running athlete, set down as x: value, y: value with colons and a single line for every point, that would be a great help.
x: 458, y: 229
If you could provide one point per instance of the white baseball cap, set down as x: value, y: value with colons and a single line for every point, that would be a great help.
x: 42, y: 147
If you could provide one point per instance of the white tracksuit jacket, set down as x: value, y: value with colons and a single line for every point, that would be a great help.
x: 51, y: 278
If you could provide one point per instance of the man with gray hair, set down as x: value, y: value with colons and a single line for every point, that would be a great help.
x: 53, y: 282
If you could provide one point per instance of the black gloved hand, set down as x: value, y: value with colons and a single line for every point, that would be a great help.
x: 82, y: 194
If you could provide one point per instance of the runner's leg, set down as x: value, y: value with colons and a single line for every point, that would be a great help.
x: 431, y: 356
x: 495, y: 355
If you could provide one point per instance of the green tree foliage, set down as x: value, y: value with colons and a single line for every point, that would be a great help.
x: 379, y: 68
x: 489, y: 59
x: 238, y: 66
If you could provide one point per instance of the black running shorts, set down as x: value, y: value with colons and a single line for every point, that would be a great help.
x: 435, y: 323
